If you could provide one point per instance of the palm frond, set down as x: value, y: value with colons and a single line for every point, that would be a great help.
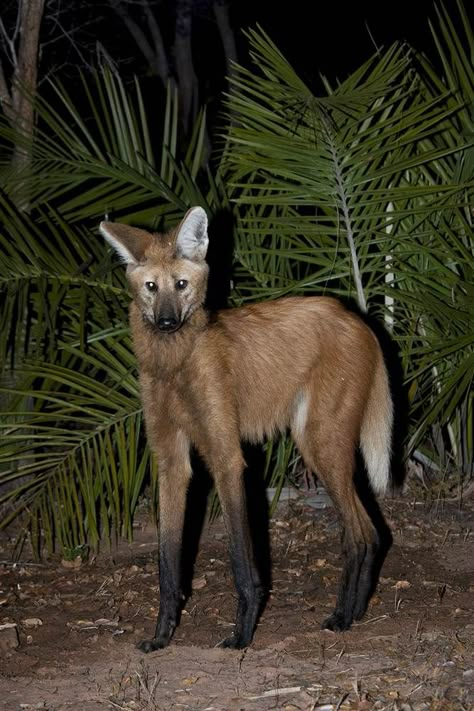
x: 82, y: 441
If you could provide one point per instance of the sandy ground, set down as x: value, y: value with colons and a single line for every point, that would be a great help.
x: 78, y: 627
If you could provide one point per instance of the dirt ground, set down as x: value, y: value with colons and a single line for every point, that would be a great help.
x: 78, y: 627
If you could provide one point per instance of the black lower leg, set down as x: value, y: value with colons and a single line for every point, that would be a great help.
x: 250, y: 599
x: 355, y: 561
x: 367, y: 580
x: 171, y: 599
x: 246, y: 576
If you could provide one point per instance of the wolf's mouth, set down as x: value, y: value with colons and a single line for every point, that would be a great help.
x: 162, y: 325
x: 168, y: 328
x: 167, y: 323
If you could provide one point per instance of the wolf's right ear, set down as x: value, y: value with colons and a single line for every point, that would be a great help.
x: 191, y: 235
x: 130, y: 243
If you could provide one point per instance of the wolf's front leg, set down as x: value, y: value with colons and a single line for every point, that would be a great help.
x: 231, y: 490
x: 174, y: 473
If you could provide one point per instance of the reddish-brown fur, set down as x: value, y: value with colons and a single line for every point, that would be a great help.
x: 306, y: 364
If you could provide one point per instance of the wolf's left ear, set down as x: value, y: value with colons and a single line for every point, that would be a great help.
x: 130, y: 243
x: 191, y: 237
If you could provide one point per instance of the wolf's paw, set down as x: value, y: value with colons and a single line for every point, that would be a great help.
x: 233, y: 642
x: 151, y: 645
x: 336, y: 623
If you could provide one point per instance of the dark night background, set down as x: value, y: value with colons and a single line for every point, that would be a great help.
x: 332, y: 38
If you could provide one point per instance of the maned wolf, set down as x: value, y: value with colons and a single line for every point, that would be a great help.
x: 206, y: 381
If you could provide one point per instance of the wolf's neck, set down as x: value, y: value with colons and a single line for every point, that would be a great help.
x: 162, y: 354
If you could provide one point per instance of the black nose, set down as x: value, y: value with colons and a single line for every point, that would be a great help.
x: 167, y: 323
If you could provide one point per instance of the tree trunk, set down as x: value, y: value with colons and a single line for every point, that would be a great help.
x: 155, y: 53
x: 187, y: 80
x: 26, y: 75
x: 17, y: 102
x: 221, y: 11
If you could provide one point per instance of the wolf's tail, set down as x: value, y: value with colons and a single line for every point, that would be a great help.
x: 376, y: 430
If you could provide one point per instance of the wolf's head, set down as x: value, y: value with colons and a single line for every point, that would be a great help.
x: 167, y: 273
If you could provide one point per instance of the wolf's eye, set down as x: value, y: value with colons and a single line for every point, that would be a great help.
x: 151, y: 286
x: 181, y: 284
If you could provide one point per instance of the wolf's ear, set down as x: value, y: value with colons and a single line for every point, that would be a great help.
x: 129, y: 242
x: 191, y: 236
